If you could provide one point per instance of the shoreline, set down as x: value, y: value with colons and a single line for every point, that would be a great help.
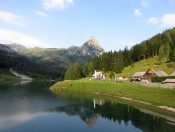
x: 158, y: 98
x: 138, y: 101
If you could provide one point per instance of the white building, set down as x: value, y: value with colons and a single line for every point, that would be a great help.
x: 98, y: 75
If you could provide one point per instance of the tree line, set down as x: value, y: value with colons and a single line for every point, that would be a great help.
x: 161, y: 45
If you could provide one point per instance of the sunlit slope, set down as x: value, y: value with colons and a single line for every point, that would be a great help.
x: 144, y: 65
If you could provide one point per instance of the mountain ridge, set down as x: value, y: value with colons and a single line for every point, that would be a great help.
x: 88, y: 50
x: 92, y: 43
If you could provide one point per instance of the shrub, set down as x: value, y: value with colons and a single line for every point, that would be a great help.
x: 161, y: 79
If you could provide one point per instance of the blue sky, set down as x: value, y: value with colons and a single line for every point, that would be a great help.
x: 63, y: 23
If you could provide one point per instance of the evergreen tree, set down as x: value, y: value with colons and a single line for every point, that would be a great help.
x: 171, y: 55
x: 127, y: 57
x: 88, y: 69
x: 164, y: 51
x: 73, y: 72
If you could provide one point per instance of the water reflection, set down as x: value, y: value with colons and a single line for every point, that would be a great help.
x: 86, y: 114
x: 9, y: 121
x: 24, y: 82
x: 116, y: 112
x: 23, y: 106
x: 21, y: 103
x: 98, y: 102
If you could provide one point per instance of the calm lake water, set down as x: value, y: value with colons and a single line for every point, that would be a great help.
x: 33, y: 108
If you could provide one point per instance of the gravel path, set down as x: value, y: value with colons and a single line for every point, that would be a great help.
x: 22, y: 76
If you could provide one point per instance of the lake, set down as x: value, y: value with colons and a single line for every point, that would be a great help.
x: 33, y: 108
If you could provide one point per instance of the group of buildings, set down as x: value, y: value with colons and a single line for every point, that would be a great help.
x: 139, y: 76
x: 146, y: 76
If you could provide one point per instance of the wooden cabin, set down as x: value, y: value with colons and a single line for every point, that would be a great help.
x: 138, y: 76
x: 150, y: 73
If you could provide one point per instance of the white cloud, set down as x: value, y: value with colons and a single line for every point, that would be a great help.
x: 53, y: 4
x: 137, y: 13
x: 10, y: 36
x: 11, y: 18
x: 40, y: 13
x: 165, y: 21
x: 168, y: 20
x: 153, y: 20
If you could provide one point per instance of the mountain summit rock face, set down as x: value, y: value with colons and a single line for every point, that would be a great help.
x: 92, y: 47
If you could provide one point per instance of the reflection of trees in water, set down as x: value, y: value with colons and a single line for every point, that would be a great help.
x: 86, y: 114
x: 119, y: 112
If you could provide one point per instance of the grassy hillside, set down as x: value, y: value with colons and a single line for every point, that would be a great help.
x: 144, y: 65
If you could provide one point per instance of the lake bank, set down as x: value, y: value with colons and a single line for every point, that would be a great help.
x: 6, y: 75
x: 159, y: 98
x: 12, y: 76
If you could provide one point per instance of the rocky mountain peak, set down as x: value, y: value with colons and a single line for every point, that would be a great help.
x: 93, y: 43
x: 92, y: 47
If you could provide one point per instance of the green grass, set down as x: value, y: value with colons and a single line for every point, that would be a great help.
x: 146, y: 64
x: 5, y: 75
x: 155, y: 96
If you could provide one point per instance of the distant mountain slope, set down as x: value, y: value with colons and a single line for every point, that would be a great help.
x: 16, y: 47
x: 10, y: 59
x: 54, y: 61
x: 5, y: 49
